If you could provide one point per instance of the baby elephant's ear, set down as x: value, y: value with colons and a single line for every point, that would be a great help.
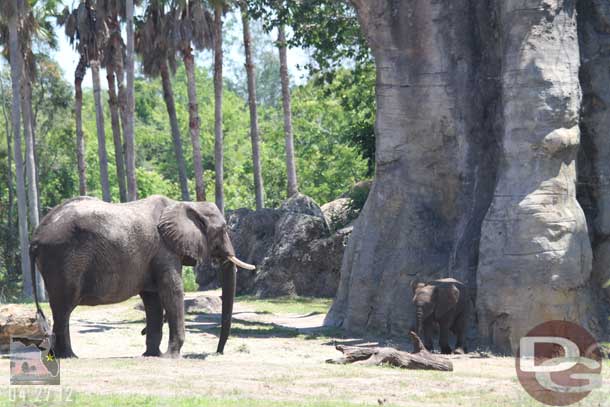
x: 184, y: 231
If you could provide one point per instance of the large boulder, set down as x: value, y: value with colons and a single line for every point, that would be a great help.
x: 292, y: 247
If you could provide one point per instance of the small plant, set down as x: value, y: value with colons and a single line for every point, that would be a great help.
x: 243, y: 348
x: 189, y: 279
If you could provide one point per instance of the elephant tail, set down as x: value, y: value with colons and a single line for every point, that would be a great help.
x: 42, y: 319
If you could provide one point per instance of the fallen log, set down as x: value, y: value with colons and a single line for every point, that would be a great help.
x: 421, y: 359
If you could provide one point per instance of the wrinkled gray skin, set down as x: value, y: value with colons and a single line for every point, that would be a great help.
x: 445, y: 302
x: 90, y: 252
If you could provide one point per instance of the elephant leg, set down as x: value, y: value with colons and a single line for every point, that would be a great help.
x: 444, y: 337
x: 154, y: 322
x: 171, y: 292
x: 459, y: 329
x: 428, y: 335
x: 62, y: 347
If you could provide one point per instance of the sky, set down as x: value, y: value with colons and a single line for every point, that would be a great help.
x: 67, y: 57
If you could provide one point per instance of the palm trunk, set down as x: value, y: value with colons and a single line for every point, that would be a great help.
x: 168, y: 96
x: 8, y: 244
x: 16, y: 71
x: 194, y: 123
x: 290, y: 164
x: 218, y: 141
x: 254, y: 132
x: 128, y: 128
x: 116, y: 132
x: 101, y: 133
x: 79, y: 74
x: 30, y: 161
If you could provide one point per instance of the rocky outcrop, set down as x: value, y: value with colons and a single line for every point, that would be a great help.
x: 292, y: 247
x: 481, y: 191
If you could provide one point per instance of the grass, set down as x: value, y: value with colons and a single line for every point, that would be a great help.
x: 286, y: 305
x: 35, y: 397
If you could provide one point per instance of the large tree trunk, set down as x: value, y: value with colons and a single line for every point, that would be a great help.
x: 16, y: 72
x: 101, y: 132
x: 291, y: 170
x: 593, y: 168
x: 254, y: 133
x: 79, y: 75
x: 194, y: 123
x: 30, y: 164
x: 168, y: 96
x: 116, y: 132
x: 534, y: 240
x: 218, y: 141
x: 128, y: 127
x: 444, y: 164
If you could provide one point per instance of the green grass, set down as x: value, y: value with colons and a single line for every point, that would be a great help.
x: 286, y: 305
x: 32, y: 397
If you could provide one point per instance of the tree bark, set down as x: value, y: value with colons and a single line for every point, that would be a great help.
x: 420, y: 359
x: 290, y: 162
x: 254, y: 131
x: 194, y: 123
x: 16, y: 72
x: 101, y: 132
x: 483, y: 192
x: 79, y: 75
x: 594, y: 155
x: 218, y: 137
x: 535, y: 233
x: 116, y: 132
x: 128, y: 127
x: 30, y: 162
x: 168, y: 96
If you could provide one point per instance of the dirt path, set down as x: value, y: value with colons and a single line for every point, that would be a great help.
x: 268, y: 357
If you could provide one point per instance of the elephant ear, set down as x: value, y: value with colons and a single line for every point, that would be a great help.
x: 446, y: 298
x: 183, y: 230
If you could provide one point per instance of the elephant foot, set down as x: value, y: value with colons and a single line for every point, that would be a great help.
x: 152, y: 353
x: 171, y: 355
x: 446, y: 351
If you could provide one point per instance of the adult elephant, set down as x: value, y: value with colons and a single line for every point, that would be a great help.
x: 90, y: 252
x: 445, y: 302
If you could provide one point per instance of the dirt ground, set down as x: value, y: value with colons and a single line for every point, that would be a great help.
x: 273, y: 357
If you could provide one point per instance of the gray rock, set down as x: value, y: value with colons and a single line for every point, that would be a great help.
x: 292, y: 248
x: 338, y: 213
x: 203, y: 304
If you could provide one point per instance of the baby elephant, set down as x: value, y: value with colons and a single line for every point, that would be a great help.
x: 445, y: 302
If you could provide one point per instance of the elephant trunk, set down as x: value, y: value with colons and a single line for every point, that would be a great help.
x: 419, y: 314
x: 229, y: 272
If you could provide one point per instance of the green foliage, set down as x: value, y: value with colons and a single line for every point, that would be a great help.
x: 189, y: 280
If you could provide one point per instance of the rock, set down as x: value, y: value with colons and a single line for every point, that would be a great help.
x: 338, y: 213
x: 292, y: 247
x: 302, y: 204
x: 203, y: 304
x: 16, y: 320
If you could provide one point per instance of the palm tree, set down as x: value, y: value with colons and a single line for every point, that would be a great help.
x: 218, y: 137
x: 195, y: 29
x: 290, y: 162
x: 129, y: 102
x: 113, y: 61
x: 79, y: 75
x: 82, y: 27
x: 254, y: 132
x: 158, y: 58
x: 13, y: 11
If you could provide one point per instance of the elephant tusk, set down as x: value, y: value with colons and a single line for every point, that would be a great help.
x: 241, y: 264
